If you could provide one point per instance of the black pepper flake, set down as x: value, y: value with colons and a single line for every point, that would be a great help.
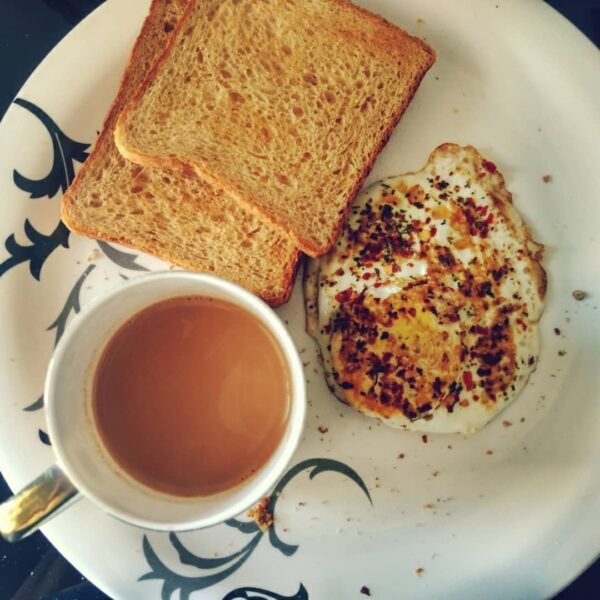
x: 386, y: 211
x: 492, y: 359
x: 346, y: 385
x: 485, y: 289
x: 497, y: 275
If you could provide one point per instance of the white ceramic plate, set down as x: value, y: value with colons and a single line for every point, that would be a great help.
x: 514, y: 79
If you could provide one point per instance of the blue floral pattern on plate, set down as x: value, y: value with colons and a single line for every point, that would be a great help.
x: 67, y: 152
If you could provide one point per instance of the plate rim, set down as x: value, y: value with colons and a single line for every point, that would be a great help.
x: 578, y: 43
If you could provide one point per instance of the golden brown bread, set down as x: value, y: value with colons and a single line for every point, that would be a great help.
x: 283, y: 104
x: 173, y: 214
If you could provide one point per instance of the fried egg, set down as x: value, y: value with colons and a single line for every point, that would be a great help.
x: 426, y: 309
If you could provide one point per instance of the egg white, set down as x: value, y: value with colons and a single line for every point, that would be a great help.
x: 461, y: 180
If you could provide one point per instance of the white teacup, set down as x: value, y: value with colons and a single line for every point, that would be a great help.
x: 84, y: 466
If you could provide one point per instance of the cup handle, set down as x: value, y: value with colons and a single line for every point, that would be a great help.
x: 42, y: 499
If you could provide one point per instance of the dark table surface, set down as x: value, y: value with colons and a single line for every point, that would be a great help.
x: 29, y: 29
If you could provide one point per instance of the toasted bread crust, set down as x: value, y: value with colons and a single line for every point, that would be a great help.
x: 156, y: 12
x: 205, y: 202
x: 272, y: 299
x: 390, y: 40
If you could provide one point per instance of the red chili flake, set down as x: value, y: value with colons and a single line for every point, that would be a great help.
x: 340, y: 272
x: 468, y: 379
x: 395, y: 268
x: 377, y: 284
x: 367, y: 276
x: 424, y: 438
x: 522, y: 324
x: 480, y: 330
x: 344, y: 296
x: 412, y: 312
x: 365, y: 591
x: 490, y: 219
x: 323, y: 429
x: 489, y: 166
x: 432, y: 231
x: 547, y: 178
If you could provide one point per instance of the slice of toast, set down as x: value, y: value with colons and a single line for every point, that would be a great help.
x: 173, y: 214
x: 283, y: 104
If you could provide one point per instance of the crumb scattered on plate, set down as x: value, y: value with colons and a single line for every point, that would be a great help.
x: 94, y: 255
x: 261, y: 514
